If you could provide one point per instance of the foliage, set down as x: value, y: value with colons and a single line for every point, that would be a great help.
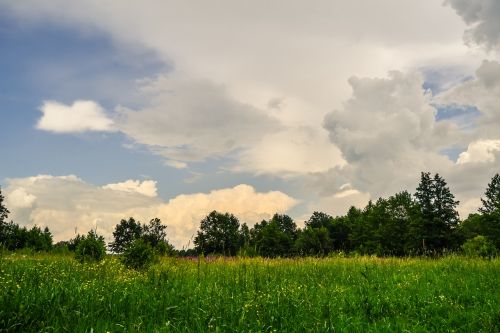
x: 154, y: 233
x: 218, y: 233
x: 479, y: 246
x: 13, y: 237
x: 126, y: 232
x: 434, y: 231
x: 4, y: 212
x: 138, y: 255
x: 276, y: 237
x: 313, y: 241
x: 91, y: 248
x: 491, y: 202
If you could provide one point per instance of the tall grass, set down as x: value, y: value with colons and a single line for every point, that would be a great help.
x: 57, y: 294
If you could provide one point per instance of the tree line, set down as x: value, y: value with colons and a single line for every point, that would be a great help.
x: 425, y: 223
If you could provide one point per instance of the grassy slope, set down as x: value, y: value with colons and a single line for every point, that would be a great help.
x: 251, y: 295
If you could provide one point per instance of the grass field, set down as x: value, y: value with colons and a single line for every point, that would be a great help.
x: 57, y: 294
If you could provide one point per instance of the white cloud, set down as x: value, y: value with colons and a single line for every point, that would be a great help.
x: 19, y: 198
x: 483, y: 18
x: 146, y: 187
x: 481, y: 151
x: 79, y: 117
x: 68, y: 205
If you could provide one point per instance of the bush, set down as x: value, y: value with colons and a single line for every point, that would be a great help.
x: 479, y: 246
x: 91, y: 248
x: 139, y: 255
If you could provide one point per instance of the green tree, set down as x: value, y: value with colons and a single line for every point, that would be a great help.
x: 91, y: 248
x: 155, y: 232
x: 218, y: 233
x: 318, y: 220
x: 4, y: 227
x: 479, y: 246
x: 400, y: 211
x: 313, y: 241
x: 276, y: 237
x: 125, y: 233
x: 4, y: 212
x: 138, y: 255
x: 434, y: 231
x: 491, y: 202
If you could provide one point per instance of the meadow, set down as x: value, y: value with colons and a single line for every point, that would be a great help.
x: 49, y: 293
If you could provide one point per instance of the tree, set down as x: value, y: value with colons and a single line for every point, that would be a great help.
x: 218, y: 233
x: 125, y: 233
x: 479, y: 246
x: 318, y: 220
x: 4, y: 212
x: 276, y: 237
x: 439, y: 218
x: 491, y: 203
x: 400, y: 211
x: 91, y: 248
x: 154, y: 232
x: 313, y: 241
x: 138, y: 255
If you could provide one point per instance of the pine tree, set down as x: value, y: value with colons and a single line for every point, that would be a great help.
x: 439, y: 217
x: 492, y: 202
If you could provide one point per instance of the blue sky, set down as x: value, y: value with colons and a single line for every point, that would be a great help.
x: 239, y: 109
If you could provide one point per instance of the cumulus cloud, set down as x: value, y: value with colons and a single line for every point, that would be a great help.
x: 69, y: 205
x: 483, y: 18
x: 481, y: 151
x: 20, y: 198
x: 388, y: 133
x: 81, y: 116
x: 146, y: 187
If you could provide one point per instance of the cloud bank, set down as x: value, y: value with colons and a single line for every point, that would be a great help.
x: 69, y: 205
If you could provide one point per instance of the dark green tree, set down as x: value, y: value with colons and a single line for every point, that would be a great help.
x: 138, y: 255
x: 218, y: 233
x: 313, y: 241
x: 91, y: 248
x: 318, y: 220
x: 435, y: 230
x: 4, y: 212
x: 399, y: 212
x: 125, y: 233
x: 276, y: 237
x: 155, y: 232
x: 491, y: 202
x: 4, y: 228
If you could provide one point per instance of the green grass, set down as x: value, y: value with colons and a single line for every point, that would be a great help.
x: 57, y: 294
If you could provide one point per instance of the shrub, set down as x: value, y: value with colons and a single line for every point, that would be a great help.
x: 479, y: 246
x: 138, y: 255
x: 91, y: 248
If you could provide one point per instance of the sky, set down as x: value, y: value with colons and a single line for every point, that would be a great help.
x: 112, y: 109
